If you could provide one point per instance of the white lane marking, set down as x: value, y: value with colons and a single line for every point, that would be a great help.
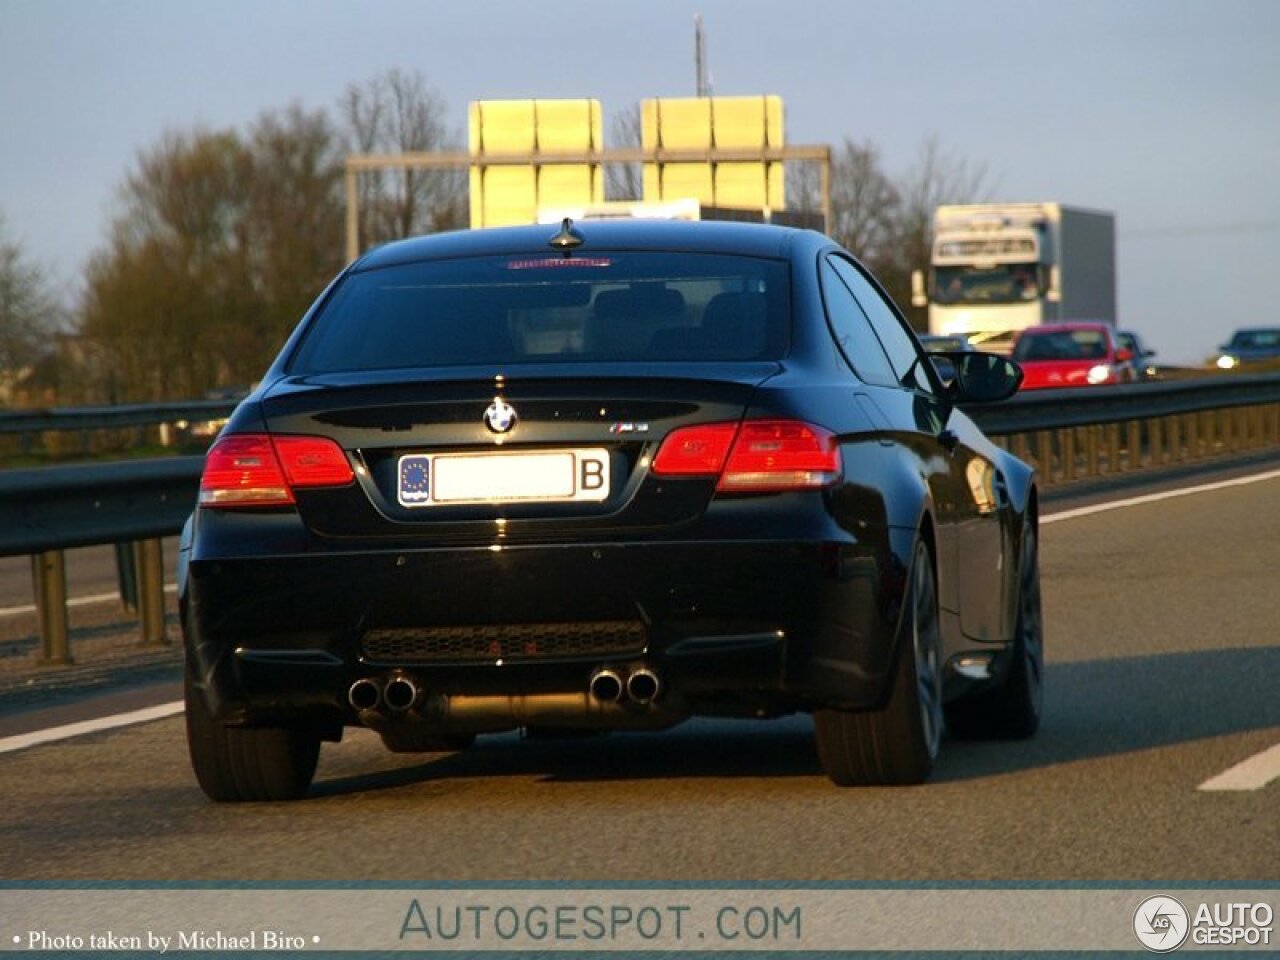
x: 1153, y: 497
x: 1251, y: 774
x: 36, y: 737
x: 75, y: 602
x: 1260, y: 769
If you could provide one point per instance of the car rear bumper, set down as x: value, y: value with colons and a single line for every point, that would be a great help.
x: 730, y: 627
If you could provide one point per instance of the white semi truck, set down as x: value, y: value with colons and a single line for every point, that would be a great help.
x: 998, y: 268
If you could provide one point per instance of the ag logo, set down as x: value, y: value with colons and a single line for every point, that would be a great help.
x: 1161, y: 924
x: 500, y: 416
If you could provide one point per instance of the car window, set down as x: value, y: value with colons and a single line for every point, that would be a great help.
x: 852, y: 331
x: 904, y: 355
x: 1061, y: 345
x: 608, y: 307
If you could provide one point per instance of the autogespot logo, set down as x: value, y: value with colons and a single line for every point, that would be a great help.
x: 1161, y: 924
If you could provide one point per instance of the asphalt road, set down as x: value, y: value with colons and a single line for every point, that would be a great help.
x: 1163, y: 658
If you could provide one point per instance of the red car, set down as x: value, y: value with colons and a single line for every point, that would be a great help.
x: 1072, y: 355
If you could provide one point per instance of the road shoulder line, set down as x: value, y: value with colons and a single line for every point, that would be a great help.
x: 67, y: 731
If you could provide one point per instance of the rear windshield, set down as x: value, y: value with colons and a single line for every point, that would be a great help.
x: 593, y: 308
x: 1061, y: 345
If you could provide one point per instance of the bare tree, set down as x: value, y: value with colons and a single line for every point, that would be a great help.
x: 864, y: 203
x: 397, y: 112
x: 294, y: 223
x: 936, y: 178
x: 220, y: 244
x: 29, y: 312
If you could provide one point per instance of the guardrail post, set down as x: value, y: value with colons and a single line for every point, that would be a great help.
x: 1134, y: 442
x: 49, y: 574
x: 127, y: 577
x: 1092, y: 439
x: 1067, y: 449
x: 1044, y: 447
x: 149, y: 557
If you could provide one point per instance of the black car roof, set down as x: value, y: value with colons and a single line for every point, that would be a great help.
x: 702, y: 236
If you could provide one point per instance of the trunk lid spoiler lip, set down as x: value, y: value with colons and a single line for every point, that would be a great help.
x: 751, y: 373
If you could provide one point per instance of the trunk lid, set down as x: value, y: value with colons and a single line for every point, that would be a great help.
x: 461, y: 453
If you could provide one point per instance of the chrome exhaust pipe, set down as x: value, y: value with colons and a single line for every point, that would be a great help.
x: 643, y: 686
x: 400, y: 693
x: 364, y: 695
x: 605, y: 686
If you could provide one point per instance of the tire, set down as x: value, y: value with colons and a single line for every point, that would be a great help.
x: 235, y: 764
x: 1012, y: 710
x: 898, y: 744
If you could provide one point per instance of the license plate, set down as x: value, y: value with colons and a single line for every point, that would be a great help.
x: 432, y: 479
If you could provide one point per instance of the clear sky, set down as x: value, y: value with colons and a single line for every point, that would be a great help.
x: 1166, y: 112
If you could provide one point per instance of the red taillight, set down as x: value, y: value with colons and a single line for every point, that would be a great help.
x: 313, y: 462
x: 695, y: 451
x: 780, y: 455
x: 254, y: 469
x: 753, y: 456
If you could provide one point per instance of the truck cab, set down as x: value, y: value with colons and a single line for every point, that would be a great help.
x: 997, y: 269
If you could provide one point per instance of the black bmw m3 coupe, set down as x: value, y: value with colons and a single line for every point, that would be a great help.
x: 608, y: 476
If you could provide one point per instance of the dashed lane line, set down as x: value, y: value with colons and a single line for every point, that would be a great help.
x: 1154, y: 497
x: 30, y: 608
x: 1251, y: 774
x: 67, y: 731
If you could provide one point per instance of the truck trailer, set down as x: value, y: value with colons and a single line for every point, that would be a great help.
x: 998, y: 268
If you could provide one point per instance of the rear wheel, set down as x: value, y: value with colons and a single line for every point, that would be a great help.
x: 1012, y: 710
x: 899, y: 743
x: 247, y: 763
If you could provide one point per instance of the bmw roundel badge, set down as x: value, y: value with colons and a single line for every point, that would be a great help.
x: 500, y: 416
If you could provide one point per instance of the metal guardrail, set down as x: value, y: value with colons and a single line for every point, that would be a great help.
x: 113, y: 417
x: 85, y: 432
x: 51, y: 509
x: 1075, y: 434
x: 1067, y: 434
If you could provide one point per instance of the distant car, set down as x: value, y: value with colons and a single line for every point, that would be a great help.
x: 1142, y: 363
x: 1072, y: 355
x: 607, y: 476
x: 1250, y: 346
x: 944, y: 343
x: 939, y: 345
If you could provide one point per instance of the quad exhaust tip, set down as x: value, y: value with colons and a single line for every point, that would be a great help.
x: 364, y: 695
x: 643, y: 686
x: 401, y: 694
x: 606, y: 686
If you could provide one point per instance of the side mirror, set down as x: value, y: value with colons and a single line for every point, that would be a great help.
x: 945, y: 365
x: 918, y: 297
x: 984, y: 377
x: 1054, y: 293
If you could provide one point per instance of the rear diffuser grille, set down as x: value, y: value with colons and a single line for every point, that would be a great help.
x: 488, y: 642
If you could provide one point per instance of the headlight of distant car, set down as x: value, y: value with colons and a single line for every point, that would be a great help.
x: 1228, y: 362
x: 1099, y: 373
